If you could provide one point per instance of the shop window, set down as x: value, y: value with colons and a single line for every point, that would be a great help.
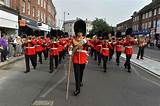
x: 159, y: 11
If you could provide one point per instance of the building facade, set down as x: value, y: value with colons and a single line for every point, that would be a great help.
x: 68, y: 26
x: 123, y: 26
x: 147, y: 20
x: 34, y: 16
x: 8, y: 19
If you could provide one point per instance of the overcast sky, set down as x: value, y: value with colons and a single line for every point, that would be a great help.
x: 113, y: 11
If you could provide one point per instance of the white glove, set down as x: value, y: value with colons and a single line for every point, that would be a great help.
x: 70, y: 53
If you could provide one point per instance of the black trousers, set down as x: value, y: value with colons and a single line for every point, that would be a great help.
x: 45, y: 53
x: 111, y: 53
x: 39, y: 54
x: 60, y: 56
x: 78, y: 73
x: 95, y: 55
x: 118, y: 54
x: 140, y: 52
x: 105, y: 59
x: 91, y: 52
x: 99, y: 57
x: 3, y: 55
x: 31, y: 58
x: 127, y: 63
x: 51, y: 63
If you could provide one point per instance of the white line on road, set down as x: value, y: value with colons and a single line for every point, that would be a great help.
x: 53, y: 87
x: 137, y: 73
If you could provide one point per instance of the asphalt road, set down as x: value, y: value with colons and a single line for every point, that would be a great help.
x: 117, y: 87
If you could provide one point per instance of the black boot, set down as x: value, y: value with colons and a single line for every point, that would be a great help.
x: 76, y: 92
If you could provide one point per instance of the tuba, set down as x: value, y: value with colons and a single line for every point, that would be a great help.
x: 79, y: 26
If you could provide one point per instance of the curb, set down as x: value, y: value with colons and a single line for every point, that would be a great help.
x: 11, y: 60
x: 143, y: 68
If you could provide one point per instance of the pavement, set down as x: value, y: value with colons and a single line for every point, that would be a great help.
x: 11, y: 60
x: 149, y: 64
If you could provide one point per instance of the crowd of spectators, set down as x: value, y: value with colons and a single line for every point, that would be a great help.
x: 10, y: 46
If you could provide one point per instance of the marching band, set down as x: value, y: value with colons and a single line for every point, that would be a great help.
x: 102, y: 50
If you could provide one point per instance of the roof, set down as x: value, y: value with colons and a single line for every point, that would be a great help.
x: 151, y: 6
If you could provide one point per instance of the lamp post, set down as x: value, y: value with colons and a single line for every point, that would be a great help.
x: 65, y: 19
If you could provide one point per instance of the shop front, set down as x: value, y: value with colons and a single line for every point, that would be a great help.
x: 8, y: 21
x: 28, y: 26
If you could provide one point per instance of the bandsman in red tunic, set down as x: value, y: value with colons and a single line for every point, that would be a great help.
x: 128, y: 44
x: 105, y: 53
x: 30, y: 53
x: 80, y: 57
x: 119, y: 49
x: 53, y: 54
x: 39, y: 48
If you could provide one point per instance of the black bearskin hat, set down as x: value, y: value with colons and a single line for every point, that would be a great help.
x: 80, y: 26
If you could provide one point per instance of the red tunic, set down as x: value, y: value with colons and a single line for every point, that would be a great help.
x: 30, y: 48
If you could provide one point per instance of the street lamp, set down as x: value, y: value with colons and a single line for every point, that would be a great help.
x: 65, y: 19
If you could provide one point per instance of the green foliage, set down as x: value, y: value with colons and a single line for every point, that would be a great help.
x: 100, y: 25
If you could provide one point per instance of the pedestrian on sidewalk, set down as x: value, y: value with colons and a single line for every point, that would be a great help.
x: 4, y: 45
x: 141, y: 44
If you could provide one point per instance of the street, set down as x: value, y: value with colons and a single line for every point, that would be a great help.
x: 117, y: 87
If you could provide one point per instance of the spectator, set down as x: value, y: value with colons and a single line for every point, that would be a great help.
x: 141, y: 43
x: 4, y: 45
x: 18, y: 46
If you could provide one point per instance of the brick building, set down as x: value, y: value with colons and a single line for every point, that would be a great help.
x: 147, y: 20
x: 123, y: 26
x: 34, y: 15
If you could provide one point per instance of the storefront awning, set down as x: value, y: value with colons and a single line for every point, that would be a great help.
x: 32, y: 27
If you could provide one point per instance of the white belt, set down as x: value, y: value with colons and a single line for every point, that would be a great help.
x: 99, y: 45
x: 30, y: 47
x: 105, y: 48
x: 54, y: 48
x: 119, y: 45
x: 37, y: 45
x: 128, y: 46
x: 84, y: 51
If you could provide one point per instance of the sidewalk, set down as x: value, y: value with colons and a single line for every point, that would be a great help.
x: 149, y: 64
x: 11, y: 60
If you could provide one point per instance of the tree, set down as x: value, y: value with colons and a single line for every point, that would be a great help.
x: 99, y: 25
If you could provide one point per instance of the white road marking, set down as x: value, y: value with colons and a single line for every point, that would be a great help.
x: 55, y: 85
x: 137, y: 73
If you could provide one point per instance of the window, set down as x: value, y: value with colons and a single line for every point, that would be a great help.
x: 44, y: 4
x: 155, y: 12
x: 159, y: 11
x: 1, y: 1
x: 150, y: 14
x: 143, y: 26
x: 143, y: 17
x: 146, y: 25
x: 33, y: 12
x: 146, y: 15
x: 23, y: 6
x: 38, y: 15
x: 154, y: 23
x: 42, y: 16
x: 149, y: 24
x: 41, y: 3
x: 29, y: 8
